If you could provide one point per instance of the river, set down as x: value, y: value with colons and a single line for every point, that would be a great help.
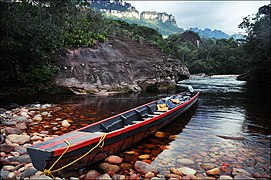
x: 230, y: 124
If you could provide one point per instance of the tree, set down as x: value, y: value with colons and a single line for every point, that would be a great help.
x: 257, y: 44
x: 32, y: 31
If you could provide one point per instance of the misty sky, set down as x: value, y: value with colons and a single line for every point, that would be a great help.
x: 222, y: 15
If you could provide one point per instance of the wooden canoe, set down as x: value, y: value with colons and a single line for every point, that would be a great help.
x: 122, y: 131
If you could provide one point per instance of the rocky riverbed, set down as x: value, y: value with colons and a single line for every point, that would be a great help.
x: 24, y: 126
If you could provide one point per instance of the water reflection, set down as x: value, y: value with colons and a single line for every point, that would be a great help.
x: 231, y: 123
x: 258, y: 105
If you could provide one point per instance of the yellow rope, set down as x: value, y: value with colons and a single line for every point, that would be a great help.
x: 48, y: 172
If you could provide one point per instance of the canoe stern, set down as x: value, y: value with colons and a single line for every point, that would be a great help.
x: 39, y: 157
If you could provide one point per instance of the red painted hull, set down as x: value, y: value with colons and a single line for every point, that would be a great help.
x: 43, y: 155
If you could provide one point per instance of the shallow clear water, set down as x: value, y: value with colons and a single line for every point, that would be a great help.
x: 230, y: 123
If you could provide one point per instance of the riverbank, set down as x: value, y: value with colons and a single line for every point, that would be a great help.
x: 24, y: 126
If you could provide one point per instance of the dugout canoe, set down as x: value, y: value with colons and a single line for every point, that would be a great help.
x: 111, y: 135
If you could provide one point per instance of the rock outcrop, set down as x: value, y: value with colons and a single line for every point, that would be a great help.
x: 120, y: 64
x: 163, y: 17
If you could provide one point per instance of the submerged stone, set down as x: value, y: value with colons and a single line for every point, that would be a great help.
x: 214, y: 171
x: 144, y: 156
x: 143, y: 168
x: 106, y: 167
x: 243, y: 177
x: 114, y: 159
x: 185, y: 161
x: 187, y: 170
x: 92, y: 174
x: 159, y: 134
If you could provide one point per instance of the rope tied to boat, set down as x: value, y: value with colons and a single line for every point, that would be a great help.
x: 49, y: 172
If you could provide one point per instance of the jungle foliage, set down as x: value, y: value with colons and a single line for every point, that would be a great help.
x: 257, y: 46
x: 212, y: 56
x: 32, y: 32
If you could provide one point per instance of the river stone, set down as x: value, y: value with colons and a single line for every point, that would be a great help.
x: 159, y: 134
x: 185, y: 161
x: 104, y: 177
x: 10, y: 130
x: 144, y: 156
x: 149, y: 175
x: 258, y: 175
x: 208, y: 166
x: 20, y: 150
x: 25, y: 114
x: 35, y: 138
x: 40, y: 177
x: 22, y: 159
x: 106, y: 167
x: 250, y: 162
x: 8, y: 167
x: 92, y: 174
x: 187, y: 170
x: 4, y: 174
x: 118, y: 177
x: 214, y: 171
x: 24, y: 109
x: 129, y: 152
x: 173, y: 176
x: 29, y: 172
x: 16, y: 168
x: 143, y: 168
x: 260, y: 159
x: 8, y: 123
x: 225, y: 177
x: 13, y: 175
x: 20, y: 139
x: 44, y: 132
x: 74, y: 178
x: 21, y: 125
x: 114, y: 159
x: 37, y: 117
x: 176, y: 171
x: 6, y: 148
x: 134, y: 177
x: 45, y: 113
x: 236, y: 171
x: 243, y: 177
x: 65, y: 123
x: 19, y: 119
x: 4, y: 161
x: 2, y: 138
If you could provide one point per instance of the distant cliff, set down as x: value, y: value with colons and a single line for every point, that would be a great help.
x: 162, y: 17
x: 161, y: 21
x: 116, y: 9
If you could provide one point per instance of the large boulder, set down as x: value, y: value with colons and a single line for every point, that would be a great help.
x: 120, y: 64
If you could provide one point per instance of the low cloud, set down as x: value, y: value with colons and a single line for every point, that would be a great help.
x: 222, y: 15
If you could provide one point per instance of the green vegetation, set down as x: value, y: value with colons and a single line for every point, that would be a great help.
x: 213, y: 56
x: 31, y: 35
x: 257, y: 46
x: 133, y: 31
x: 165, y: 29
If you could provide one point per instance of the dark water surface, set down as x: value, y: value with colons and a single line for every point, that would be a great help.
x: 230, y: 123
